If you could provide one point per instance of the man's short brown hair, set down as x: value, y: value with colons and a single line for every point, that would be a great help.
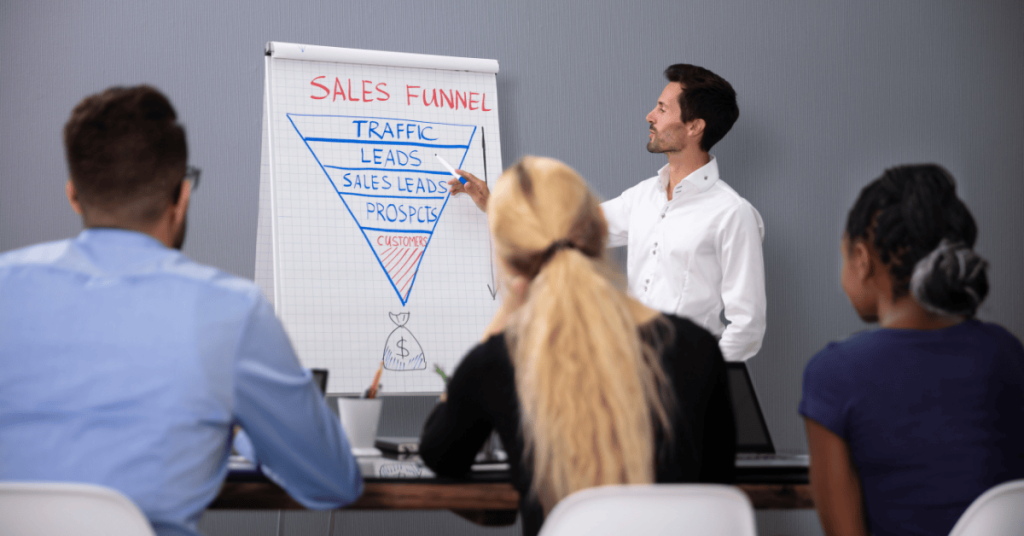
x: 706, y: 96
x: 126, y: 152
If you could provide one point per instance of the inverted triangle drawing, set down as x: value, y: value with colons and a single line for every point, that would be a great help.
x: 385, y: 173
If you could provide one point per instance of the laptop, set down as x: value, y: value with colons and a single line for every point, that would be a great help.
x: 320, y: 377
x: 754, y: 446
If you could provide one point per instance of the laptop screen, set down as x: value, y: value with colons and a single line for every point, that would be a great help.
x: 751, y: 430
x: 320, y: 377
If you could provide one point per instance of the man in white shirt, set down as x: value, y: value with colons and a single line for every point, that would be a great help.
x: 694, y: 243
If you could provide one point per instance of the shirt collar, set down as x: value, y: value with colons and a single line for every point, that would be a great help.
x: 112, y: 236
x: 697, y: 182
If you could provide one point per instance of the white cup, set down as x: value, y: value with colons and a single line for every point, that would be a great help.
x: 359, y: 418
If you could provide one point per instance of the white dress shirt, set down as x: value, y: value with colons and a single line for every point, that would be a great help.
x: 696, y: 255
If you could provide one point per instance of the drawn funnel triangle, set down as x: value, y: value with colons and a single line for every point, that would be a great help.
x: 385, y: 172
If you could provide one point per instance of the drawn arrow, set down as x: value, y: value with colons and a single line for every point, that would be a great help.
x: 492, y: 288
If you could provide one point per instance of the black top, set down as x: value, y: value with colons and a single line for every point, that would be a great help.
x: 482, y: 396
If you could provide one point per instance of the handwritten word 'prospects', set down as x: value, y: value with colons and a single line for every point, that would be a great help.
x: 368, y: 91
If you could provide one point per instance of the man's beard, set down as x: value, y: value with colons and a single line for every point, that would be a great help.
x: 653, y: 146
x: 179, y: 238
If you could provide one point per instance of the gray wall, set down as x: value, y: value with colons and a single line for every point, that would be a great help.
x: 830, y: 94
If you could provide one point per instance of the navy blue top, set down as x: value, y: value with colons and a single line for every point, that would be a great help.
x: 932, y: 418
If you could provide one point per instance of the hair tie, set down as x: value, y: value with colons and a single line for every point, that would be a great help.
x: 555, y: 247
x: 952, y: 282
x: 531, y: 265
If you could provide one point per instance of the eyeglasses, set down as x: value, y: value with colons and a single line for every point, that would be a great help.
x: 192, y: 173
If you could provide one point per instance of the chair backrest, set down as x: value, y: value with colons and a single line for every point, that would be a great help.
x: 653, y: 510
x: 62, y: 508
x: 997, y: 512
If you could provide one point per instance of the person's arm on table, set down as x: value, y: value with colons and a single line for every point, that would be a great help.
x: 457, y: 428
x: 298, y: 440
x: 743, y: 290
x: 834, y: 483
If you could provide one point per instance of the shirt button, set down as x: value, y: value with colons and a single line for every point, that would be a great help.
x: 662, y: 215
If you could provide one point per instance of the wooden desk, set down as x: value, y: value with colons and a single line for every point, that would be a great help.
x: 468, y: 496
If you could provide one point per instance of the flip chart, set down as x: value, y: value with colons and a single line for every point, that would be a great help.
x: 360, y: 246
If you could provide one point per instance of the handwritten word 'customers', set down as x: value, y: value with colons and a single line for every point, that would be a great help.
x: 367, y: 91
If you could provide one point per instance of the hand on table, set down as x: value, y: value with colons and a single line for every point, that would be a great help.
x: 476, y: 188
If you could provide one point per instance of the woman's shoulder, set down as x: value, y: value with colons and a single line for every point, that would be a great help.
x: 996, y: 334
x: 486, y: 357
x: 839, y: 357
x: 865, y: 356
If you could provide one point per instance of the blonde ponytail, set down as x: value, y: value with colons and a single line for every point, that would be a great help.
x: 592, y: 393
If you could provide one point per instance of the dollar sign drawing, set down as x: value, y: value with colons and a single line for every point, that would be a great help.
x: 402, y: 351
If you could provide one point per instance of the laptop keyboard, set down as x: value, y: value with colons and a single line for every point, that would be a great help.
x: 749, y: 459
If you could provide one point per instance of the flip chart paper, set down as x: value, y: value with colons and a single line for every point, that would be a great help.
x: 360, y: 246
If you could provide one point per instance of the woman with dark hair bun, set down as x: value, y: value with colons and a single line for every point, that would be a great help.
x: 909, y: 423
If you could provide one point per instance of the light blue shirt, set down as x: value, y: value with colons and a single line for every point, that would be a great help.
x: 125, y: 364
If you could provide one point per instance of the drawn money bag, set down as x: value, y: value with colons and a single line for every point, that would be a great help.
x: 402, y: 351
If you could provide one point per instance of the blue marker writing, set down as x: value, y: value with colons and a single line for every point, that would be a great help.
x: 450, y: 169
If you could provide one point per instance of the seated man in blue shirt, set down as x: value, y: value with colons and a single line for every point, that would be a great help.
x: 125, y: 364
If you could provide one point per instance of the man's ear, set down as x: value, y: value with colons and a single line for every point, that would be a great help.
x: 72, y: 193
x: 695, y: 128
x: 181, y: 205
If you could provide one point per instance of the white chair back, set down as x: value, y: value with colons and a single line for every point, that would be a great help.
x: 63, y: 508
x: 653, y: 510
x: 997, y: 512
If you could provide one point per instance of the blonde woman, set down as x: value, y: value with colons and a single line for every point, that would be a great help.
x: 584, y: 385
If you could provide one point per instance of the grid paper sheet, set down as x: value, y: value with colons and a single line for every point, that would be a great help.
x: 374, y: 259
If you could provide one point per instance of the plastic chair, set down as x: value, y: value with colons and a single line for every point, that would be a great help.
x: 62, y: 508
x: 653, y: 510
x: 997, y: 512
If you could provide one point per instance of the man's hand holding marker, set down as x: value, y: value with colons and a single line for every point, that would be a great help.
x: 466, y: 182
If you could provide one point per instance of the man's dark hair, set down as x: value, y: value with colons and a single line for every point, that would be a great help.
x: 912, y: 213
x: 126, y: 152
x: 705, y: 96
